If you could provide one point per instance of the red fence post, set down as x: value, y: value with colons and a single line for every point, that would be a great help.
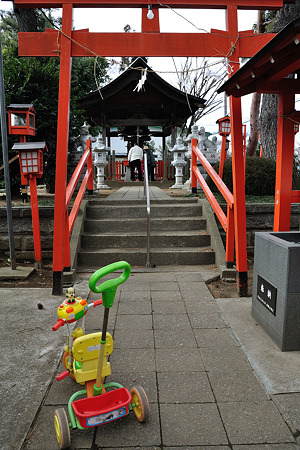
x: 194, y: 166
x: 60, y: 209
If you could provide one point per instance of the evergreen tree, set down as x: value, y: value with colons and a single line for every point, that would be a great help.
x: 35, y: 80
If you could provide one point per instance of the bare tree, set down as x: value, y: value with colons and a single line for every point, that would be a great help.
x: 198, y: 77
x: 269, y: 107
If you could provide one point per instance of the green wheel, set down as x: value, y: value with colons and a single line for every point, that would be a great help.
x: 139, y: 399
x: 62, y: 428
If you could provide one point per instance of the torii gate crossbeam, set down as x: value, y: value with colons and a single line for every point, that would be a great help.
x: 66, y: 43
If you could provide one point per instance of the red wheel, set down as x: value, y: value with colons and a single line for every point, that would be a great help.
x: 140, y: 401
x: 66, y: 365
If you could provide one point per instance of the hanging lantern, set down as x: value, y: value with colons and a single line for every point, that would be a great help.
x: 21, y: 119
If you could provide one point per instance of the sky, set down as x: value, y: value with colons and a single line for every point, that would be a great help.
x: 182, y: 20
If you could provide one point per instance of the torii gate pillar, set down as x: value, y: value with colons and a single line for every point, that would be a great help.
x: 238, y: 171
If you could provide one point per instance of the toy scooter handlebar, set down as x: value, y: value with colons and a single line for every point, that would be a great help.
x: 58, y: 324
x: 109, y: 287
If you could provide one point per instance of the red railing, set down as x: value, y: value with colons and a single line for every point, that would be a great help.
x: 227, y: 221
x: 87, y: 182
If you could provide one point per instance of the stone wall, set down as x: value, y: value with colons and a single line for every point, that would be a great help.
x: 260, y: 217
x: 23, y: 233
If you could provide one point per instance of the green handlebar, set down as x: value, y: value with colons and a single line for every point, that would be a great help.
x: 109, y: 287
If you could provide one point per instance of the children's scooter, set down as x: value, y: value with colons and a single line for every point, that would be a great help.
x: 107, y: 402
x: 69, y: 311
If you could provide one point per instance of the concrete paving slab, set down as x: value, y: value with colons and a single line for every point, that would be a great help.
x: 170, y: 339
x: 30, y: 357
x: 192, y: 424
x: 217, y: 360
x: 20, y: 273
x: 207, y: 320
x: 136, y: 307
x: 266, y: 447
x: 126, y: 338
x: 163, y: 286
x: 194, y: 388
x: 289, y: 407
x: 137, y: 321
x: 178, y: 359
x: 254, y: 423
x: 278, y: 371
x: 133, y: 296
x: 131, y: 360
x: 128, y: 431
x: 168, y: 307
x: 236, y: 386
x: 216, y: 338
x: 197, y: 447
x: 166, y: 296
x: 171, y: 322
x: 43, y: 435
x: 162, y: 276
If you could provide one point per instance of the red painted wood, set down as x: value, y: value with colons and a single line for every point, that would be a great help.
x: 152, y: 25
x: 35, y: 220
x: 140, y: 44
x: 207, y: 4
x: 222, y: 156
x: 238, y: 173
x: 229, y: 256
x: 60, y: 233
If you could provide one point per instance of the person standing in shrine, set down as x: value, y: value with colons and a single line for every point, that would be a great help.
x: 150, y: 162
x: 135, y: 157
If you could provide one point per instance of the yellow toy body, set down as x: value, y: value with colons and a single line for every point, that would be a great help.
x: 86, y: 355
x: 72, y: 309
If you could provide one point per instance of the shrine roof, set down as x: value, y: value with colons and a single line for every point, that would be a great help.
x: 268, y: 69
x: 157, y: 103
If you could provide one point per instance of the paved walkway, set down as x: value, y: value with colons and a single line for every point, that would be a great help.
x: 213, y: 378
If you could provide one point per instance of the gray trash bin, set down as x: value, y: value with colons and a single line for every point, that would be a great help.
x: 276, y: 287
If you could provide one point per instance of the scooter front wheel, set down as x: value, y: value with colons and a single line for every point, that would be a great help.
x: 62, y: 428
x: 139, y: 399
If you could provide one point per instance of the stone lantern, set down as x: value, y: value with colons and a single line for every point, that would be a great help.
x: 100, y: 161
x: 194, y: 135
x: 178, y: 162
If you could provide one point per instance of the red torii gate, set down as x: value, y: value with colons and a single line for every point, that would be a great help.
x: 66, y: 43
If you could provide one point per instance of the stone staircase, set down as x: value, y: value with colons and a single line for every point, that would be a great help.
x: 116, y: 230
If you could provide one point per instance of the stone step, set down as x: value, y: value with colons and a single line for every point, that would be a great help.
x: 140, y: 224
x: 139, y: 239
x: 95, y: 259
x: 138, y: 211
x: 153, y: 201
